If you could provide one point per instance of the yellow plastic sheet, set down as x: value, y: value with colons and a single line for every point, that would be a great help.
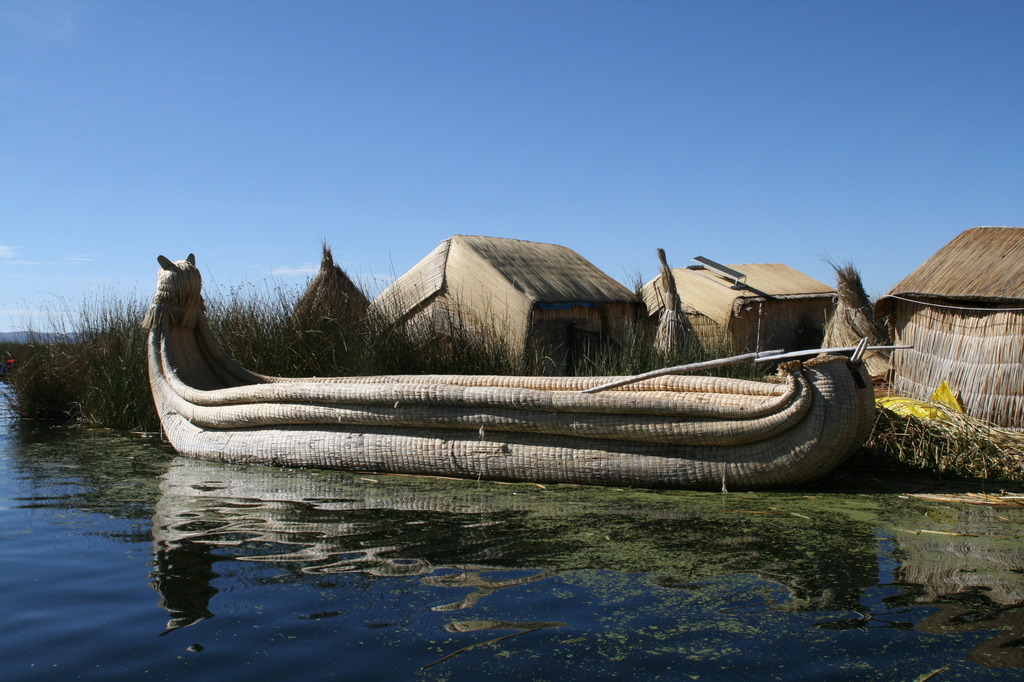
x: 944, y: 397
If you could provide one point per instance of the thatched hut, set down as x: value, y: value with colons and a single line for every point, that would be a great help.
x: 529, y: 295
x: 963, y: 311
x: 331, y: 295
x: 753, y: 306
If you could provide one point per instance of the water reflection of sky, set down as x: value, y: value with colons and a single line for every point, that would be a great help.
x: 199, y: 567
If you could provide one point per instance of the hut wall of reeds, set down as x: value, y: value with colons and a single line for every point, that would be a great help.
x: 777, y: 306
x: 528, y: 294
x: 963, y: 311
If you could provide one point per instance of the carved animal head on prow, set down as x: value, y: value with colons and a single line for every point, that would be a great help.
x: 178, y: 279
x: 167, y: 264
x: 179, y: 288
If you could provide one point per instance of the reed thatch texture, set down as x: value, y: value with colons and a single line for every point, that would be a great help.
x: 523, y: 292
x: 854, y: 319
x: 777, y: 307
x: 963, y: 311
x: 979, y: 353
x: 982, y: 264
x: 331, y: 294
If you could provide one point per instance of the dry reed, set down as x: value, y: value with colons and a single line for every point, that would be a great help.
x: 854, y: 319
x: 93, y: 372
x: 331, y: 294
x: 955, y: 445
x: 963, y: 311
x: 674, y: 330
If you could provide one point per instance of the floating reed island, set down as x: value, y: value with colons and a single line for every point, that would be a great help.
x: 654, y: 430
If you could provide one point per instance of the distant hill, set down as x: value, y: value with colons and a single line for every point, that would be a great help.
x: 24, y: 337
x: 14, y: 337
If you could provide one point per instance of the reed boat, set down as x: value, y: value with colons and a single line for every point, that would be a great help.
x: 662, y: 430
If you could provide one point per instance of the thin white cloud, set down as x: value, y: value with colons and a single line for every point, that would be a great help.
x: 8, y: 252
x: 304, y: 269
x: 81, y: 259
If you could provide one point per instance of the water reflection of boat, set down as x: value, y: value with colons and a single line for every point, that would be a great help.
x: 480, y: 539
x: 670, y: 431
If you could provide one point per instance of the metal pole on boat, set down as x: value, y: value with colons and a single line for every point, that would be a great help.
x: 763, y: 356
x: 833, y: 351
x: 692, y: 367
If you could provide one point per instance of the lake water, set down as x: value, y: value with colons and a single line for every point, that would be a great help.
x: 122, y: 561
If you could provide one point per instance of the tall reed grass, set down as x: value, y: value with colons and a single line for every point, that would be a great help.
x: 86, y: 369
x: 261, y: 329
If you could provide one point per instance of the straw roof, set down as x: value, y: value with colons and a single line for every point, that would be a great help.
x: 331, y: 293
x: 981, y: 265
x: 505, y: 269
x: 712, y: 295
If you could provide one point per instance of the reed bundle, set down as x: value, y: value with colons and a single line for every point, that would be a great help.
x: 665, y: 431
x: 956, y: 445
x: 854, y: 319
x: 674, y: 330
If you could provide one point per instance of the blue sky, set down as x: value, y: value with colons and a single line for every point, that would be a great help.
x: 250, y: 131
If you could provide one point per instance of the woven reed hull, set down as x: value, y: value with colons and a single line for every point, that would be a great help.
x: 679, y: 432
x: 513, y: 457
